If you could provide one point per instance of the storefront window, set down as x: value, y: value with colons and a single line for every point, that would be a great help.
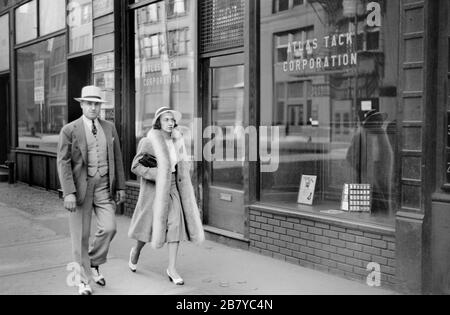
x: 52, y: 16
x: 42, y: 104
x: 26, y: 22
x: 4, y: 42
x: 164, y: 61
x: 80, y: 25
x: 329, y: 82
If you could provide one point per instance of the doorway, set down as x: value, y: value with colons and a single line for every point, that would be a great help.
x: 80, y: 75
x: 223, y: 109
x: 4, y: 106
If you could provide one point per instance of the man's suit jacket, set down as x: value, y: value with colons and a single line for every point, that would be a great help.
x: 72, y: 159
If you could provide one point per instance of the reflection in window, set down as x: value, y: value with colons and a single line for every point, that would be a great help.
x: 176, y: 7
x: 4, y: 42
x: 80, y: 25
x: 163, y: 62
x: 179, y: 42
x: 26, y: 22
x: 148, y: 14
x: 324, y: 77
x: 52, y: 16
x: 283, y: 5
x: 42, y: 104
x: 295, y: 44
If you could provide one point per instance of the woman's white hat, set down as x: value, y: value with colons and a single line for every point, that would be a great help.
x: 91, y: 94
x: 163, y: 110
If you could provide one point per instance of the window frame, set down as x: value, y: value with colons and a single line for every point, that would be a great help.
x: 38, y: 36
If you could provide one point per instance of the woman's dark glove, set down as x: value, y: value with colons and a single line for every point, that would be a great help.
x: 148, y: 161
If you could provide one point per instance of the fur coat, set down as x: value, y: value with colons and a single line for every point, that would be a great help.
x: 149, y: 222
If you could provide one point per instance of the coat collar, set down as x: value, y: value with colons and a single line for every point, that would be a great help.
x: 176, y: 134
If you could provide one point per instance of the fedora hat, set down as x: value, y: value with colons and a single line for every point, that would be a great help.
x: 91, y: 94
x: 163, y: 110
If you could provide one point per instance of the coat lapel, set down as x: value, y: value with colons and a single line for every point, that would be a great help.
x: 110, y: 143
x: 80, y: 134
x: 162, y: 188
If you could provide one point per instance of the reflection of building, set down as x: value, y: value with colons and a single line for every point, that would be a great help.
x: 27, y: 108
x: 304, y: 106
x: 164, y: 59
x: 318, y: 109
x: 57, y: 103
x: 81, y: 25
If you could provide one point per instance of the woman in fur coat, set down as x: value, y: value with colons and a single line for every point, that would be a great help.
x: 166, y: 211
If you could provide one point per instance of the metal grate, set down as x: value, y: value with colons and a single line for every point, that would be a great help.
x: 221, y: 24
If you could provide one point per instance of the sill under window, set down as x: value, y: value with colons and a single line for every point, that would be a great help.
x: 360, y: 221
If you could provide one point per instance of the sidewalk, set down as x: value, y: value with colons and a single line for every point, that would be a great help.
x: 35, y: 251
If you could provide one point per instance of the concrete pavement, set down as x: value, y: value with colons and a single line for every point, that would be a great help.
x: 35, y: 252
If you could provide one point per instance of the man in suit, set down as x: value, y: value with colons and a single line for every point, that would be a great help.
x: 91, y: 173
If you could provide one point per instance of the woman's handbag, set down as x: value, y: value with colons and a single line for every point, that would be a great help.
x: 148, y: 161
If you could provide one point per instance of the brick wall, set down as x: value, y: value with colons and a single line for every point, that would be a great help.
x: 132, y: 197
x: 327, y: 247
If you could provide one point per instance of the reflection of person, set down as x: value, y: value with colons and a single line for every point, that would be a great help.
x: 166, y: 210
x: 371, y: 156
x: 91, y: 172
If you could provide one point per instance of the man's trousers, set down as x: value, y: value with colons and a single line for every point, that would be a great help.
x: 99, y: 201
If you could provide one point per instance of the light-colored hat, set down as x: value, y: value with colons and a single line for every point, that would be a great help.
x: 163, y: 110
x: 91, y: 94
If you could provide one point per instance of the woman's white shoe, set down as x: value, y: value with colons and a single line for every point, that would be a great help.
x: 132, y: 266
x: 178, y: 281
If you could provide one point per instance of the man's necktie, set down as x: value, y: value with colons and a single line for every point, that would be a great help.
x: 94, y: 129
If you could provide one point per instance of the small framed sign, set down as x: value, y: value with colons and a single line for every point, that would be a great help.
x: 357, y: 198
x: 307, y: 190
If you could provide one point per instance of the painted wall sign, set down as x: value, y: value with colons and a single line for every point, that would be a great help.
x: 307, y: 53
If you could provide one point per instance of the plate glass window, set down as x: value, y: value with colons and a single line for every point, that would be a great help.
x: 329, y: 83
x: 26, y: 22
x: 164, y: 61
x: 52, y: 16
x: 42, y: 101
x: 4, y: 42
x: 80, y: 25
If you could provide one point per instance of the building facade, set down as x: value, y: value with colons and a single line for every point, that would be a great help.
x: 344, y: 95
